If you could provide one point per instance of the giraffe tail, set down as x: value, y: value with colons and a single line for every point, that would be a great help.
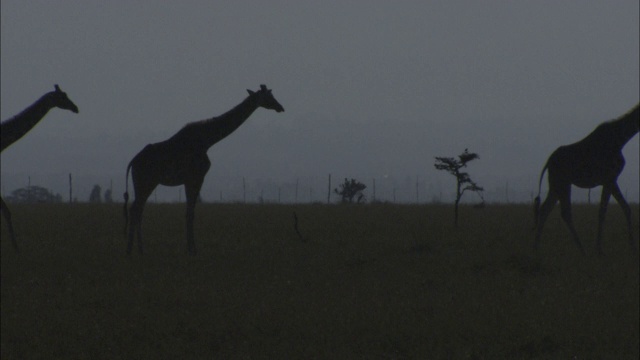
x: 126, y: 200
x: 536, y: 202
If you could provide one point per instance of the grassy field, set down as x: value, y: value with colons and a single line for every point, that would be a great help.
x: 374, y: 282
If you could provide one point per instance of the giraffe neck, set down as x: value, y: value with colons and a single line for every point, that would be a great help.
x: 16, y: 127
x: 625, y: 128
x: 208, y: 132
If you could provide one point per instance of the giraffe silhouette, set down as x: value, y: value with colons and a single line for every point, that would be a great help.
x: 182, y: 160
x: 16, y: 127
x: 593, y: 161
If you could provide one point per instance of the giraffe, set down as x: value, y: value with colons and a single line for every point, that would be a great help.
x: 16, y: 127
x: 593, y: 161
x: 182, y: 160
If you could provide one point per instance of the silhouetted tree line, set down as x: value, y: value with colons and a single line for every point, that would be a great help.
x: 33, y: 194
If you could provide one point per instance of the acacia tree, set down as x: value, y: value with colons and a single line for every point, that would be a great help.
x: 351, y: 189
x: 463, y: 181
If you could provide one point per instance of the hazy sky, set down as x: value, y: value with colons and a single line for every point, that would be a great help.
x: 370, y: 91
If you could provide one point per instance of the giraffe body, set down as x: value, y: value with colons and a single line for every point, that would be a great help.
x: 182, y: 160
x: 596, y: 160
x: 15, y: 128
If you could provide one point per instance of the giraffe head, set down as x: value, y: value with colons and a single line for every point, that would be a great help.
x: 60, y: 100
x: 265, y: 99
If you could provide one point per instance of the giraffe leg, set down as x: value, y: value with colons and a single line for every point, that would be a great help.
x: 133, y: 224
x: 617, y: 194
x: 135, y: 217
x: 565, y: 206
x: 548, y: 205
x: 192, y: 191
x: 7, y: 215
x: 604, y: 202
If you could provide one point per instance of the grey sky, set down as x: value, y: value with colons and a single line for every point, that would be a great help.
x: 370, y: 91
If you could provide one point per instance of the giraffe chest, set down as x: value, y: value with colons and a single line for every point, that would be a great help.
x: 179, y: 170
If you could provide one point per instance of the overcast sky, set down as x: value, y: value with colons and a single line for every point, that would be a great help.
x: 370, y: 91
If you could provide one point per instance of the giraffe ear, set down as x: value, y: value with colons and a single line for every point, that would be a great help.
x: 263, y: 87
x: 250, y: 92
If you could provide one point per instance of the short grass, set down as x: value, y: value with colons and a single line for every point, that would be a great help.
x: 374, y: 282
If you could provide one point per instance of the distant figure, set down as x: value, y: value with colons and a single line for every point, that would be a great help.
x: 182, y: 160
x: 16, y: 127
x: 595, y: 160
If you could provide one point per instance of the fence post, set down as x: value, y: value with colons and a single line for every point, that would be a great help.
x: 329, y: 192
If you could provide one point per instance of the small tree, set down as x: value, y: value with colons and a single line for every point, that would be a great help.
x: 464, y: 182
x: 96, y: 196
x: 351, y: 189
x: 107, y: 196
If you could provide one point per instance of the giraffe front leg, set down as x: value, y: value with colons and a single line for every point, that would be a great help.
x: 604, y: 202
x: 139, y: 234
x: 192, y: 192
x: 191, y: 244
x: 7, y: 215
x: 617, y: 194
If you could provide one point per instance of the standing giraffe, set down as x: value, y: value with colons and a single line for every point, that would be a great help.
x: 182, y: 160
x: 593, y: 161
x: 16, y: 127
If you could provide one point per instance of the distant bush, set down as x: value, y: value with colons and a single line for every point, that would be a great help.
x: 351, y: 189
x: 96, y: 194
x: 33, y: 194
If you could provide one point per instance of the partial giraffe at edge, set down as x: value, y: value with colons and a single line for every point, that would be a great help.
x: 596, y: 160
x: 15, y: 128
x: 182, y: 160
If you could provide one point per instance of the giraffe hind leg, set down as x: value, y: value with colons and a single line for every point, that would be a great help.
x: 548, y: 205
x: 7, y: 215
x: 135, y: 226
x: 143, y: 189
x: 565, y: 205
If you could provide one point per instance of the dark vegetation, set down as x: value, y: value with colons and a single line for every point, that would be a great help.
x: 33, y: 194
x: 351, y: 189
x: 375, y: 282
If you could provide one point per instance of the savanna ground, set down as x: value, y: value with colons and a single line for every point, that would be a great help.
x: 374, y: 282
